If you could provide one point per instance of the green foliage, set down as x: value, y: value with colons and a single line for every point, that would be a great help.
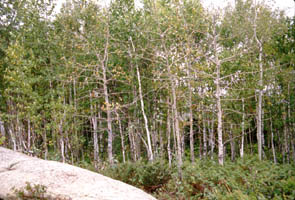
x: 31, y: 192
x: 149, y: 176
x: 244, y: 179
x: 36, y: 192
x: 52, y: 85
x: 2, y: 140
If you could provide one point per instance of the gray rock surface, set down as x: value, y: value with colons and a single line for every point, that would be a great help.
x: 61, y: 180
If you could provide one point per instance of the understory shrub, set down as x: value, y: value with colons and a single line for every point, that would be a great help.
x: 33, y: 192
x: 145, y: 175
x: 246, y: 178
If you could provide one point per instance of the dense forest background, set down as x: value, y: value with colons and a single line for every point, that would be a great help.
x: 169, y: 81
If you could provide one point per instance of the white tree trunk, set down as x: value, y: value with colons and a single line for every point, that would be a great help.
x: 243, y: 130
x: 176, y: 121
x: 177, y: 130
x: 122, y: 137
x: 109, y: 117
x: 211, y: 137
x: 232, y: 143
x: 169, y: 136
x: 150, y: 151
x: 29, y: 136
x: 95, y: 138
x: 219, y: 118
x: 272, y: 142
x: 204, y: 139
x: 260, y: 94
x: 104, y: 63
x: 191, y: 130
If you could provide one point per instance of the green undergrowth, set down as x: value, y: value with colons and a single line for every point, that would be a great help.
x: 243, y: 179
x: 33, y: 192
x: 145, y: 175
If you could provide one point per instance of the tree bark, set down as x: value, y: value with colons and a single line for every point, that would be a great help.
x: 29, y: 136
x: 211, y: 137
x: 104, y: 63
x: 150, y: 151
x: 95, y: 132
x: 272, y: 143
x: 177, y: 130
x: 131, y: 140
x: 191, y: 130
x: 232, y: 143
x: 260, y: 93
x: 200, y: 141
x: 219, y: 118
x: 169, y: 135
x: 122, y: 137
x: 285, y: 149
x: 204, y: 138
x: 62, y: 142
x: 176, y: 120
x: 243, y: 130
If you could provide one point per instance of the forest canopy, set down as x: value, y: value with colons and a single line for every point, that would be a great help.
x: 171, y: 80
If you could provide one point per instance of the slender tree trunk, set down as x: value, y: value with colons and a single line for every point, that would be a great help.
x: 131, y: 140
x: 204, y: 139
x: 293, y: 149
x: 232, y: 143
x: 2, y: 131
x: 77, y: 141
x: 45, y: 145
x: 191, y: 130
x: 150, y: 151
x: 176, y: 121
x: 122, y: 137
x: 211, y: 138
x: 138, y: 140
x: 293, y: 142
x: 169, y: 135
x: 101, y: 137
x: 191, y: 135
x: 259, y: 117
x: 250, y: 141
x: 21, y: 144
x: 62, y: 143
x: 95, y: 132
x: 177, y: 130
x: 285, y: 149
x: 217, y: 62
x: 243, y: 130
x: 289, y: 126
x: 44, y: 137
x: 108, y: 108
x: 262, y: 131
x: 29, y: 136
x: 146, y: 124
x: 182, y: 141
x: 260, y: 93
x: 219, y: 118
x: 154, y: 135
x: 272, y: 143
x: 109, y: 119
x: 161, y: 139
x: 174, y: 134
x: 200, y: 141
x: 12, y: 136
x: 173, y: 85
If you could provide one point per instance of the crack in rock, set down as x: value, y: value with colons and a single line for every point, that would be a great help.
x: 9, y: 168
